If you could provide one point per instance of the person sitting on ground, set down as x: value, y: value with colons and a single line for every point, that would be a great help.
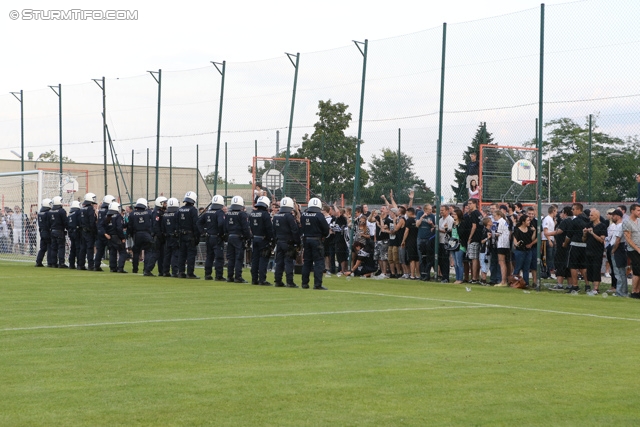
x: 365, y: 265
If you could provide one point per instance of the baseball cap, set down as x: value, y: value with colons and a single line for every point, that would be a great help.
x: 617, y: 212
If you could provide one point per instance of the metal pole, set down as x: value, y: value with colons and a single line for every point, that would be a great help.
x: 540, y: 137
x: 277, y: 143
x: 356, y: 182
x: 197, y: 171
x: 101, y: 85
x: 293, y: 104
x: 222, y: 73
x: 255, y: 150
x: 590, y: 161
x: 15, y: 94
x: 226, y: 178
x: 147, y: 174
x: 170, y: 171
x: 324, y: 196
x: 445, y: 274
x: 132, y: 160
x: 398, y: 187
x: 159, y: 81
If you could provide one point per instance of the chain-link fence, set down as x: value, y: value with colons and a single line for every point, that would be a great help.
x: 491, y: 90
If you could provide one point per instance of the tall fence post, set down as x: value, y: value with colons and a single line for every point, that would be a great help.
x: 101, y: 85
x: 226, y: 177
x: 445, y: 274
x: 147, y: 174
x: 159, y: 81
x: 356, y: 182
x: 170, y: 171
x: 222, y: 73
x: 398, y: 187
x: 59, y: 93
x: 132, y: 160
x: 20, y: 99
x: 590, y: 155
x: 197, y: 171
x: 293, y: 104
x: 539, y: 143
x: 324, y: 196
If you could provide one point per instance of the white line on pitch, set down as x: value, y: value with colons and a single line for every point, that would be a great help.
x: 480, y: 304
x: 256, y: 316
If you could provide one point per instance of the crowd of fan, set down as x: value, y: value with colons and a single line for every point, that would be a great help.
x: 493, y: 247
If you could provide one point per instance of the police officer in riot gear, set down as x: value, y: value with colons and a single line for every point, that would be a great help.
x: 113, y: 229
x: 156, y: 233
x: 172, y: 238
x: 45, y: 236
x: 314, y: 230
x: 211, y: 225
x: 287, y: 233
x: 87, y: 230
x: 236, y: 226
x: 189, y: 236
x: 101, y: 241
x: 140, y: 229
x: 262, y: 230
x: 58, y: 227
x: 72, y: 229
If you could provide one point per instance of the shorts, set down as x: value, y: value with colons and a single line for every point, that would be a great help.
x: 485, y: 262
x: 18, y: 236
x: 473, y: 250
x: 504, y: 251
x: 577, y: 257
x: 402, y: 255
x: 635, y: 262
x: 393, y: 255
x: 381, y: 251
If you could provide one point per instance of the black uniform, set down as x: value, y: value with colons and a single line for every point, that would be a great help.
x: 262, y: 230
x: 189, y: 239
x: 158, y: 238
x: 72, y: 229
x: 114, y: 227
x: 172, y: 243
x: 87, y: 229
x: 314, y: 230
x: 236, y: 227
x: 45, y: 237
x: 101, y: 241
x: 287, y: 235
x: 58, y: 227
x: 140, y: 229
x: 211, y: 226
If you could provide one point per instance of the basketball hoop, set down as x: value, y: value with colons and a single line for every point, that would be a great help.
x: 529, y: 182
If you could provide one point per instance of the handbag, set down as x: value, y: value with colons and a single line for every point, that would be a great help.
x: 452, y: 244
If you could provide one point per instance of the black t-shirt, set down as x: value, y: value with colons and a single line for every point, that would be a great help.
x: 380, y: 235
x: 396, y: 239
x: 525, y: 236
x: 594, y: 247
x: 473, y: 168
x: 412, y: 237
x: 564, y: 225
x: 578, y: 224
x: 475, y: 217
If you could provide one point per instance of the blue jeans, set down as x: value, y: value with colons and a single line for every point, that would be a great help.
x: 620, y: 274
x: 458, y: 257
x: 523, y: 262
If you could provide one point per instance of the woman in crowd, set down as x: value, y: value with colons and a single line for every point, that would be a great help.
x: 503, y: 245
x: 524, y: 238
x: 458, y: 254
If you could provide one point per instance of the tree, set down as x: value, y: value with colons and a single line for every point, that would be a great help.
x: 385, y: 175
x: 613, y: 163
x: 481, y: 137
x: 51, y: 156
x: 210, y: 177
x: 339, y: 153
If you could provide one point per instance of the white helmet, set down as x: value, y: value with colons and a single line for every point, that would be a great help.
x: 217, y: 202
x: 56, y: 201
x: 160, y: 200
x: 75, y: 205
x: 46, y: 203
x: 190, y: 197
x: 114, y: 208
x: 315, y: 205
x: 90, y: 197
x: 237, y: 203
x: 142, y: 203
x: 286, y: 204
x: 263, y: 201
x: 106, y: 200
x: 173, y: 204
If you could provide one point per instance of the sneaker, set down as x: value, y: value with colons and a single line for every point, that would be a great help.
x: 444, y: 281
x: 595, y: 292
x: 571, y: 289
x: 383, y: 276
x: 339, y: 274
x: 328, y: 274
x: 320, y: 288
x: 501, y: 285
x: 587, y: 288
x: 607, y: 275
x: 557, y: 288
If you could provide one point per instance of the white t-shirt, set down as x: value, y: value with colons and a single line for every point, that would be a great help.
x: 16, y: 219
x: 503, y: 234
x: 441, y: 223
x: 550, y: 225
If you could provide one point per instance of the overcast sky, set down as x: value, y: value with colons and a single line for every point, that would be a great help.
x: 187, y: 35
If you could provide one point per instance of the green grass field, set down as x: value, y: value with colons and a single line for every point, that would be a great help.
x: 81, y: 348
